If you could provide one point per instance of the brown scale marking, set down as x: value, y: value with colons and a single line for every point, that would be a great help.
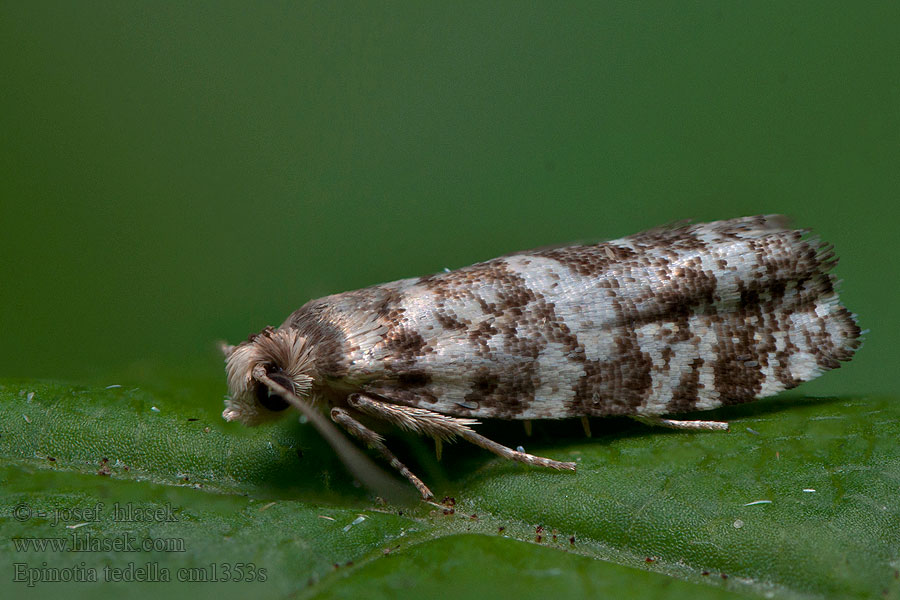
x: 748, y: 297
x: 387, y: 306
x: 394, y: 315
x: 701, y: 286
x: 734, y: 381
x: 508, y: 394
x: 853, y: 333
x: 781, y: 323
x: 556, y: 330
x: 587, y: 261
x: 623, y: 253
x: 414, y: 379
x: 488, y: 308
x: 405, y: 347
x: 667, y: 354
x: 389, y: 391
x: 683, y: 333
x: 514, y: 295
x: 617, y: 253
x: 448, y: 321
x: 616, y: 386
x: 824, y: 348
x: 479, y: 336
x: 459, y: 284
x: 685, y: 396
x: 765, y: 346
x: 531, y: 311
x: 484, y: 384
x: 664, y: 237
x: 532, y: 324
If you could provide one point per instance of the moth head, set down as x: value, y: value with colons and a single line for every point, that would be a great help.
x: 279, y: 355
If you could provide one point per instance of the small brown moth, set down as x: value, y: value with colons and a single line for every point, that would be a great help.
x: 671, y: 320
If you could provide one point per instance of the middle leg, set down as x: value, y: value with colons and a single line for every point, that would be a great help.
x: 440, y: 426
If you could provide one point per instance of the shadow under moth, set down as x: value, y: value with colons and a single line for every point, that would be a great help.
x: 672, y: 320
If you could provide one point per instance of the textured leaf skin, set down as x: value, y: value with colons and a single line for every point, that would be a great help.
x: 663, y: 511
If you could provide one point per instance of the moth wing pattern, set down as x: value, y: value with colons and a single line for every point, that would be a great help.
x: 675, y: 319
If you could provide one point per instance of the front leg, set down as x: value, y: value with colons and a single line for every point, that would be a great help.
x: 373, y: 440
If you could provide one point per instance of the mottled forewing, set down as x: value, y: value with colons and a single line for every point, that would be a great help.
x: 671, y: 320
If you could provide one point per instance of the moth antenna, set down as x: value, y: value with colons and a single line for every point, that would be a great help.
x: 359, y: 465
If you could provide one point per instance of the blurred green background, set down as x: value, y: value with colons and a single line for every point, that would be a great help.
x: 172, y: 174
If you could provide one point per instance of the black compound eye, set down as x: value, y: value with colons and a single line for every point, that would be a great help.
x: 267, y: 397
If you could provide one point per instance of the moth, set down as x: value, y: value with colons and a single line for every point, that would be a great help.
x: 673, y: 320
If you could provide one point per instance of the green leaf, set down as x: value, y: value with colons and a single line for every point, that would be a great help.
x: 799, y: 500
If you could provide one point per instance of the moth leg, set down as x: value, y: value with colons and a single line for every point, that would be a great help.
x: 438, y: 426
x: 438, y: 447
x: 688, y: 425
x: 418, y: 420
x: 586, y: 425
x: 373, y: 440
x: 509, y: 453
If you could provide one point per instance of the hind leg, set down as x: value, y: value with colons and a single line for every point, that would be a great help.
x: 688, y: 425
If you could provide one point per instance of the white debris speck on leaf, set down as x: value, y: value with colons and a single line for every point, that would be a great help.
x: 326, y: 517
x: 302, y: 419
x: 27, y: 418
x: 154, y: 409
x: 76, y: 526
x: 446, y: 269
x: 520, y: 449
x: 809, y: 490
x: 755, y: 502
x: 113, y: 386
x: 266, y: 506
x: 753, y: 431
x: 738, y: 524
x: 30, y: 397
x: 356, y: 521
